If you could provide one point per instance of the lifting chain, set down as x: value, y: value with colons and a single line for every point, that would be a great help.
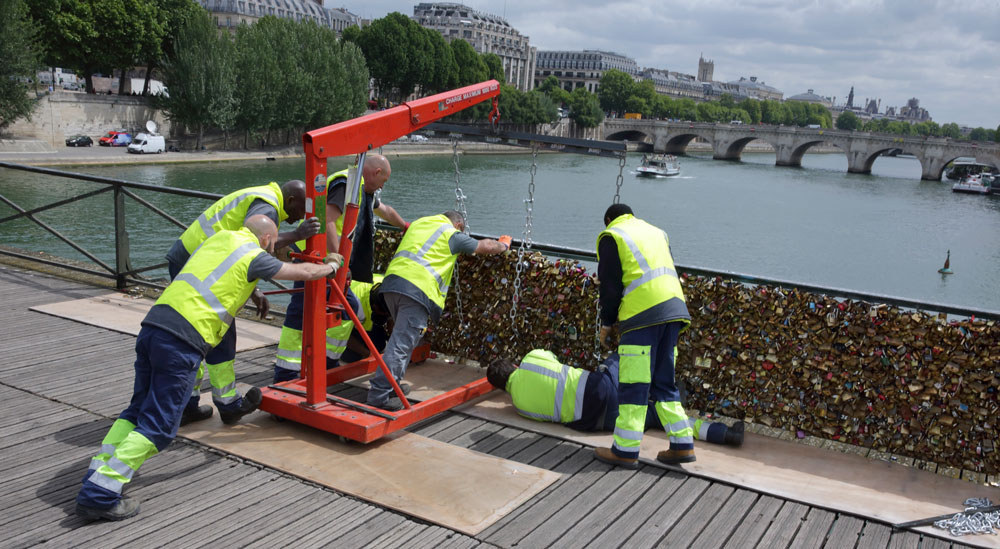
x: 460, y: 207
x: 972, y: 523
x: 525, y: 248
x: 597, y: 326
x: 621, y: 169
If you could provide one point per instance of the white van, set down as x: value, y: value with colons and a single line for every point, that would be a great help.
x: 145, y: 143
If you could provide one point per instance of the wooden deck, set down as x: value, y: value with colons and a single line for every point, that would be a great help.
x: 62, y: 383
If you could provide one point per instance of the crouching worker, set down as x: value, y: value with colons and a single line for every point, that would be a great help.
x: 186, y: 322
x: 543, y: 389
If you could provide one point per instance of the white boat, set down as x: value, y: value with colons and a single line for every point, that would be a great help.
x: 663, y: 165
x: 976, y: 183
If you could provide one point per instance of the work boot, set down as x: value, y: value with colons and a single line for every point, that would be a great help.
x: 393, y: 404
x: 734, y: 435
x: 125, y: 508
x: 609, y: 457
x: 196, y: 413
x: 675, y: 457
x: 250, y: 402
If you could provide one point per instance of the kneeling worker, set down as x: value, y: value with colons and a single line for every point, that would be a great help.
x: 189, y: 319
x: 415, y: 286
x: 587, y: 401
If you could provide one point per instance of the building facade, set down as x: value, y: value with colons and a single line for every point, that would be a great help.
x: 673, y: 83
x: 229, y: 14
x: 486, y: 33
x: 706, y: 69
x: 581, y: 69
x: 812, y: 97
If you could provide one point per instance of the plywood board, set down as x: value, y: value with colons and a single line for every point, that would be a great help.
x: 824, y: 478
x: 123, y: 313
x: 451, y: 486
x: 432, y: 377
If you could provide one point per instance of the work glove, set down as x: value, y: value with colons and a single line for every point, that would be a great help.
x: 505, y: 240
x: 334, y: 259
x: 307, y: 228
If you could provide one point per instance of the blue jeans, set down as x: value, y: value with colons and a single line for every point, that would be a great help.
x: 410, y: 318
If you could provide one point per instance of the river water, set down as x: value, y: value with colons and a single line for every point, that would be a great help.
x: 884, y: 233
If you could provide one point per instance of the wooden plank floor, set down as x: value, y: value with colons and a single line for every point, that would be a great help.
x: 62, y: 383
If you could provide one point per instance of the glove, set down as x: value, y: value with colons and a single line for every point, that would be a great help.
x: 505, y: 240
x: 334, y: 259
x: 308, y: 228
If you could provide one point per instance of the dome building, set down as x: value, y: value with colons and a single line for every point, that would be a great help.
x: 810, y: 97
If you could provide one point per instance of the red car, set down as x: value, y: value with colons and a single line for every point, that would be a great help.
x: 109, y: 138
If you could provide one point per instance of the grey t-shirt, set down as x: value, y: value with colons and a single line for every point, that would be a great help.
x: 459, y: 243
x: 165, y: 317
x: 363, y: 238
x: 177, y: 256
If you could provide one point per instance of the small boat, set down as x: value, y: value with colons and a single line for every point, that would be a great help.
x: 663, y: 165
x: 946, y: 270
x: 962, y: 167
x: 974, y: 183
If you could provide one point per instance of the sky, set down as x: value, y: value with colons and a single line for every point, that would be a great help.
x: 945, y: 53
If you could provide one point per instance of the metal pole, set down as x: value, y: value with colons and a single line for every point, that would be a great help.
x: 122, y: 262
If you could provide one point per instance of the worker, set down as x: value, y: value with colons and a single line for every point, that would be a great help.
x: 641, y: 295
x: 284, y: 203
x: 415, y: 286
x: 189, y: 319
x: 587, y: 401
x: 374, y: 175
x: 373, y: 316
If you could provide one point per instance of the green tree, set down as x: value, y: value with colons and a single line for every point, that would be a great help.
x: 351, y: 34
x: 686, y: 109
x: 996, y: 134
x: 494, y: 67
x: 614, y: 90
x: 727, y: 101
x: 71, y: 36
x: 752, y: 108
x: 172, y: 15
x: 398, y: 55
x: 550, y: 87
x: 585, y: 108
x: 444, y: 74
x: 201, y: 77
x: 19, y: 61
x: 951, y: 130
x: 257, y: 81
x: 471, y: 67
x: 979, y: 134
x: 639, y: 105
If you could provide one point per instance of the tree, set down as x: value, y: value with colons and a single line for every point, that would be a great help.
x: 585, y: 108
x: 173, y: 14
x: 550, y: 87
x: 201, y: 76
x: 444, y: 75
x: 951, y: 130
x: 639, y: 105
x: 71, y: 36
x: 19, y: 60
x: 979, y: 134
x: 398, y: 55
x: 471, y: 68
x: 752, y: 108
x: 494, y: 67
x: 351, y: 34
x: 614, y: 90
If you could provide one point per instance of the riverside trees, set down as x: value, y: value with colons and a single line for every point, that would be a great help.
x: 18, y: 61
x: 274, y: 77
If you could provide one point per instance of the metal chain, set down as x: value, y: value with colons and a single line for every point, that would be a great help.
x: 460, y: 207
x: 597, y: 326
x: 525, y: 247
x: 621, y: 179
x: 972, y: 523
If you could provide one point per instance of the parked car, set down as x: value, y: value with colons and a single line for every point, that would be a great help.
x: 145, y: 143
x: 109, y: 138
x: 79, y: 141
x: 121, y: 140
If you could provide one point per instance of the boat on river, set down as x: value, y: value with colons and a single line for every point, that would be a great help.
x: 962, y: 167
x: 979, y: 183
x: 659, y: 165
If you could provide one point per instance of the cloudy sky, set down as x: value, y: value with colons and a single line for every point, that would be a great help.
x: 945, y: 53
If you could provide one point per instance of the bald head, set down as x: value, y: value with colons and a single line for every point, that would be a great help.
x: 293, y: 192
x: 376, y: 172
x: 264, y: 229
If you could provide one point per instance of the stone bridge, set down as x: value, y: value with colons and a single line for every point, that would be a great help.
x: 791, y: 142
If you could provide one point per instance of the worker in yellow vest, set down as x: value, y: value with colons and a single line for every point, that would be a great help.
x: 277, y: 203
x: 415, y: 286
x: 543, y: 389
x: 641, y: 297
x: 189, y: 319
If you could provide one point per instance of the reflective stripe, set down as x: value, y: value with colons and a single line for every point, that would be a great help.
x: 336, y: 342
x: 647, y: 273
x: 108, y: 449
x: 95, y: 464
x: 703, y: 430
x: 628, y: 435
x: 419, y: 256
x: 289, y: 353
x: 106, y: 482
x: 560, y: 378
x: 287, y: 365
x: 333, y: 355
x: 678, y: 426
x: 682, y: 440
x: 629, y: 451
x: 581, y: 385
x: 207, y: 225
x: 204, y: 287
x: 219, y: 392
x: 121, y: 468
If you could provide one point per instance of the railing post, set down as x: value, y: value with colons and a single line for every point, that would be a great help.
x: 122, y: 262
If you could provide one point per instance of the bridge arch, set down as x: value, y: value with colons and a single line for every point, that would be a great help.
x: 792, y: 156
x: 938, y: 169
x: 678, y: 142
x: 632, y: 136
x: 733, y: 150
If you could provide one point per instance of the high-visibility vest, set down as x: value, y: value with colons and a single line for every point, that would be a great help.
x: 361, y: 194
x: 229, y: 212
x: 363, y: 291
x: 424, y: 257
x: 213, y: 286
x: 336, y: 338
x: 544, y: 389
x: 647, y: 268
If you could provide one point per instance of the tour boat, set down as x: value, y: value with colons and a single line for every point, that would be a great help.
x: 974, y: 184
x: 659, y: 165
